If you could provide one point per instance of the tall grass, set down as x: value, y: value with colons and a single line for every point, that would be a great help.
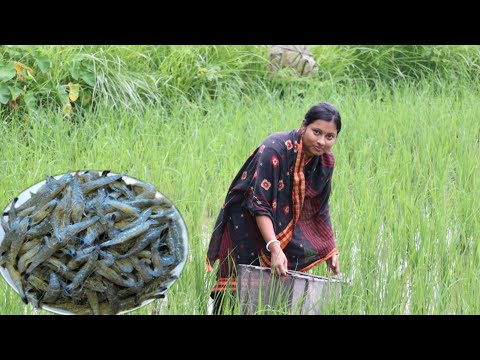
x: 136, y: 77
x: 397, y: 63
x: 405, y: 188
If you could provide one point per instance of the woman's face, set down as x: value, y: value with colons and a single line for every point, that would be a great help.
x: 319, y: 137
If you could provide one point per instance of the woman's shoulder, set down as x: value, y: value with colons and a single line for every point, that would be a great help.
x: 283, y: 135
x: 328, y: 159
x: 280, y: 141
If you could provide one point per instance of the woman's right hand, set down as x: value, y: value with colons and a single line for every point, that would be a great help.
x: 279, y: 260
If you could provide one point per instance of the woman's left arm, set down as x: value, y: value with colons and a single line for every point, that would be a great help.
x: 279, y: 260
x: 332, y: 263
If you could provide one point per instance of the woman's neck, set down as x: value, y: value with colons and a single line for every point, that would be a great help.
x: 308, y: 158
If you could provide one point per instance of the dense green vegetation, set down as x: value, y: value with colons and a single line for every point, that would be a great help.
x: 406, y: 184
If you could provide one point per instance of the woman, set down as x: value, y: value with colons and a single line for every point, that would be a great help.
x: 276, y: 212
